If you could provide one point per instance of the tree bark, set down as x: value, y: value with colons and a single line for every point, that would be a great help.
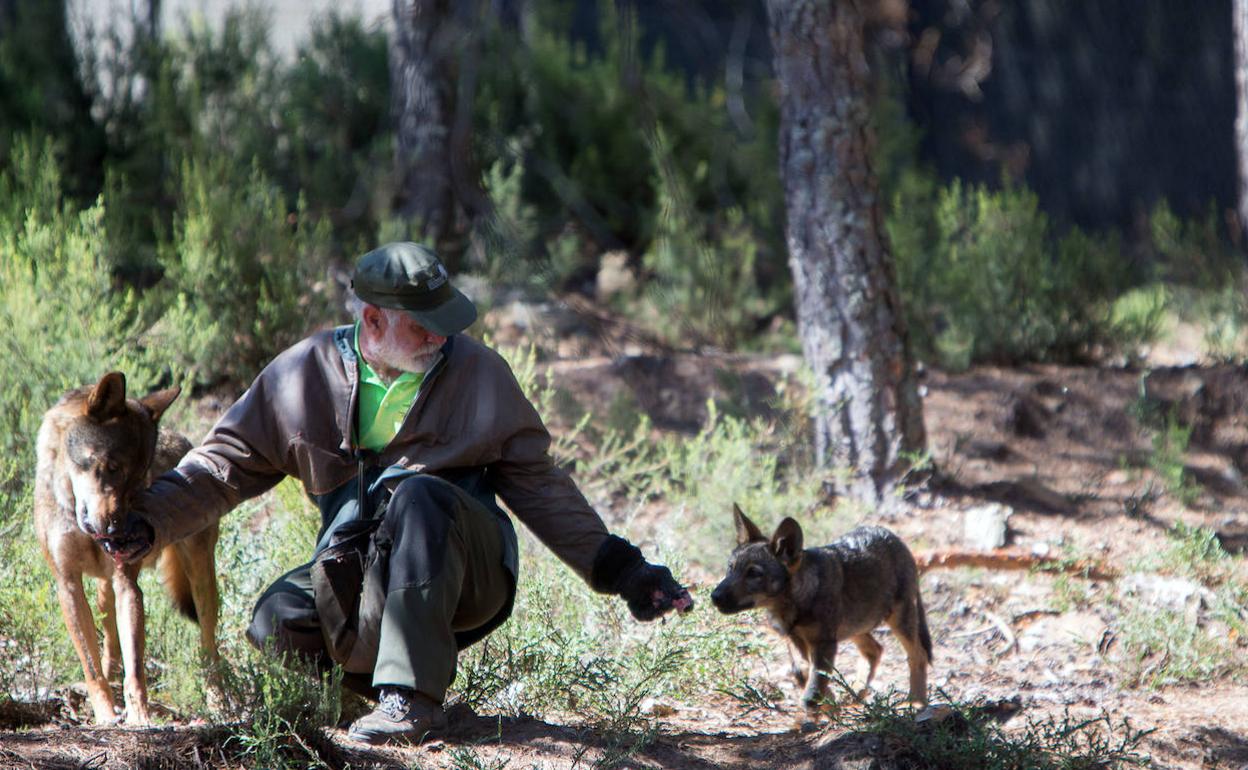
x: 868, y: 416
x: 420, y: 56
x: 1239, y: 25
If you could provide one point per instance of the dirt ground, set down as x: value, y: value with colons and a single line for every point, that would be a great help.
x: 1062, y: 447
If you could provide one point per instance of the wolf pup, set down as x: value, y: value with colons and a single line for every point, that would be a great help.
x: 818, y: 597
x: 96, y: 449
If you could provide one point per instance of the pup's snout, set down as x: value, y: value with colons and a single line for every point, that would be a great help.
x: 726, y: 600
x: 86, y: 526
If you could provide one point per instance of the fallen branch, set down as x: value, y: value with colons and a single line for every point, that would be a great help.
x: 1012, y: 559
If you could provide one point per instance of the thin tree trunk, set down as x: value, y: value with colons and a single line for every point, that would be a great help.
x: 868, y: 414
x: 1239, y: 24
x: 421, y: 103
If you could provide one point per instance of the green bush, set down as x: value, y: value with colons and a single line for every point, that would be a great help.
x: 315, y: 126
x: 1193, y: 252
x: 584, y: 126
x: 968, y: 736
x: 42, y: 90
x: 245, y: 273
x: 334, y: 142
x: 702, y: 284
x: 984, y: 278
x: 65, y: 323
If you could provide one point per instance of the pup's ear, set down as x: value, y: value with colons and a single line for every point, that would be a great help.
x: 159, y: 401
x: 786, y: 543
x: 747, y: 532
x: 108, y: 397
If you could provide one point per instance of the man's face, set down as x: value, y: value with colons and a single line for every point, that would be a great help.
x: 393, y: 340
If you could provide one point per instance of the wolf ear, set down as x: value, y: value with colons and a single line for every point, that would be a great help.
x: 786, y: 543
x: 159, y: 401
x: 747, y: 532
x: 108, y: 397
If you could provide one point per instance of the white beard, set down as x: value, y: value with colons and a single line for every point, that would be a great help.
x: 390, y: 353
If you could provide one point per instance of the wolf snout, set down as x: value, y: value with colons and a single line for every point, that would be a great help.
x: 724, y: 600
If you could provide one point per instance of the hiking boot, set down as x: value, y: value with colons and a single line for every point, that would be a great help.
x: 402, y: 714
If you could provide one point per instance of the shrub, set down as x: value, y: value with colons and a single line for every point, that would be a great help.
x: 968, y: 737
x: 65, y: 324
x: 1193, y: 252
x: 703, y: 284
x: 584, y: 123
x: 245, y: 273
x: 986, y: 279
x: 334, y: 142
x: 317, y: 125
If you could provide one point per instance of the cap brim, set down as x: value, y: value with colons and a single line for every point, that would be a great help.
x: 451, y: 317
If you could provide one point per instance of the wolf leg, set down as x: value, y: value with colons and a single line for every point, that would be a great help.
x: 871, y: 650
x: 796, y: 654
x: 905, y: 623
x: 197, y: 555
x: 106, y: 605
x: 81, y: 626
x: 822, y: 658
x: 133, y: 641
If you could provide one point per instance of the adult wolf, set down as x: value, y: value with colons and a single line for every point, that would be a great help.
x: 96, y: 449
x: 818, y: 597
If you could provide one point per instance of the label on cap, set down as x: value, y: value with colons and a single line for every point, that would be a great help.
x: 439, y: 279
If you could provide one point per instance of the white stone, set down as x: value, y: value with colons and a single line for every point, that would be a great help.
x: 985, y: 526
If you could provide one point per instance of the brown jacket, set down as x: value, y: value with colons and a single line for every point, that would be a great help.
x: 296, y: 420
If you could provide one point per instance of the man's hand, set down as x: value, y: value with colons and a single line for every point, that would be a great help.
x: 133, y: 543
x: 649, y: 589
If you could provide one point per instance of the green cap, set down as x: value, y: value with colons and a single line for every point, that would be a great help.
x: 409, y: 276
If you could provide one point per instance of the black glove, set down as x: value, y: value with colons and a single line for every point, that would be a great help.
x: 134, y: 542
x: 649, y: 589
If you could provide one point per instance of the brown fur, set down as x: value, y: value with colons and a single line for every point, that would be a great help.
x: 818, y: 597
x: 96, y: 450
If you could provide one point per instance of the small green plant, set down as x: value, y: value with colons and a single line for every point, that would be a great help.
x: 1167, y: 460
x: 1196, y: 552
x: 751, y: 695
x: 968, y: 738
x: 1070, y: 593
x: 286, y: 702
x: 568, y: 652
x: 467, y: 758
x: 1140, y: 313
x: 1163, y: 647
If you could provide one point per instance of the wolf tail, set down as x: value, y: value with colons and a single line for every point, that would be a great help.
x: 177, y: 583
x: 925, y: 636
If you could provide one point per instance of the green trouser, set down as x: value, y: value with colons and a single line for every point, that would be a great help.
x: 450, y: 580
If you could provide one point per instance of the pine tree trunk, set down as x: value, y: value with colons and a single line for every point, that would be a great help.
x: 421, y: 103
x: 1239, y: 24
x: 868, y: 413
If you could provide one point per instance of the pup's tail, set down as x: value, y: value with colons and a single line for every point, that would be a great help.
x: 925, y: 636
x: 177, y: 584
